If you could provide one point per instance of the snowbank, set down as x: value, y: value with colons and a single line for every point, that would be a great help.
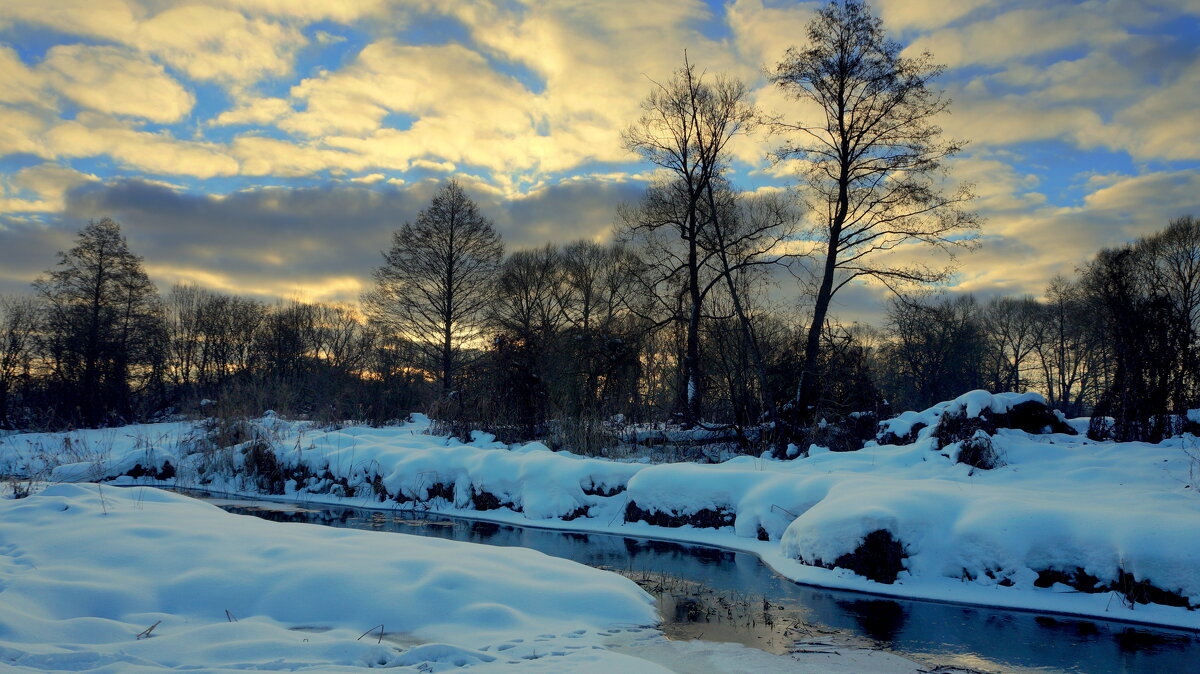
x: 1058, y: 513
x: 406, y: 465
x: 84, y: 570
x: 95, y: 579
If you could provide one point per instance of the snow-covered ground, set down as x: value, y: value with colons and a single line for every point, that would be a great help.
x: 129, y: 580
x: 1060, y: 509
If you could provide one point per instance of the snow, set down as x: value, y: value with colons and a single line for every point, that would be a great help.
x: 129, y: 580
x: 970, y: 404
x: 1060, y: 503
x: 181, y: 564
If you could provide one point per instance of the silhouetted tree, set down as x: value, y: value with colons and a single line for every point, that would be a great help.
x: 1013, y: 328
x: 1072, y: 349
x: 936, y: 350
x: 19, y: 322
x: 437, y: 280
x: 526, y: 316
x: 873, y: 161
x: 600, y: 300
x: 103, y: 324
x: 685, y: 128
x: 1145, y: 294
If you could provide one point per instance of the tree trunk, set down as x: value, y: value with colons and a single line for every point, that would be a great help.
x: 808, y: 390
x: 691, y: 365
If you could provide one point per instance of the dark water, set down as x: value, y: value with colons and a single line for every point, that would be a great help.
x: 719, y: 595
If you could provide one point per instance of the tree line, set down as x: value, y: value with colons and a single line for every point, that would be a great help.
x: 561, y: 340
x: 673, y: 321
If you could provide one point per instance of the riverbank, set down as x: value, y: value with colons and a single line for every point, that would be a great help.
x: 121, y: 580
x: 1060, y: 524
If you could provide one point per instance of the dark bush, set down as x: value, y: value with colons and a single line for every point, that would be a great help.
x: 843, y: 434
x: 977, y: 451
x: 707, y: 518
x: 887, y: 437
x: 879, y: 557
x: 1030, y: 416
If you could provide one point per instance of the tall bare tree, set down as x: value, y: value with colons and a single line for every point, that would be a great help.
x: 685, y: 128
x: 872, y: 160
x: 436, y: 281
x: 599, y: 300
x: 936, y: 350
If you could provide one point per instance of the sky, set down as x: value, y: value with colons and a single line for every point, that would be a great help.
x: 270, y: 147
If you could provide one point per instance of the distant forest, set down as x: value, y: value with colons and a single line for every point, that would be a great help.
x: 670, y: 323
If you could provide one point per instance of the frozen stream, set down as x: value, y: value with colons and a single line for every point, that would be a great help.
x: 719, y: 595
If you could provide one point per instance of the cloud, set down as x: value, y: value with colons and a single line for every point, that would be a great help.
x: 19, y: 84
x: 261, y: 156
x: 524, y: 103
x: 255, y: 111
x: 998, y: 186
x: 1164, y: 124
x: 115, y: 81
x: 20, y: 131
x: 1025, y: 249
x: 993, y: 41
x: 40, y: 188
x: 904, y: 15
x: 321, y: 242
x: 207, y: 41
x: 91, y: 135
x: 106, y: 79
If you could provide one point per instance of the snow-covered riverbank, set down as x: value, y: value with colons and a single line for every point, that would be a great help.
x: 1065, y: 524
x: 125, y: 580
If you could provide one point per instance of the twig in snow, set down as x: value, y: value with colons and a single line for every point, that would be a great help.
x: 785, y: 510
x: 619, y: 512
x: 377, y: 627
x: 230, y: 617
x: 145, y: 634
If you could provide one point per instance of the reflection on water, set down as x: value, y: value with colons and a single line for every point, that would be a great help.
x: 720, y: 595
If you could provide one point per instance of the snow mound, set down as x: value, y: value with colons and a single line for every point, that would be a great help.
x: 957, y: 420
x: 95, y: 567
x: 993, y: 536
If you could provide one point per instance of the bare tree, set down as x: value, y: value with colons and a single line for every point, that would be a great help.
x: 1013, y: 328
x: 748, y: 235
x: 1144, y: 295
x: 936, y: 349
x: 104, y: 319
x: 1070, y: 350
x: 600, y: 302
x: 343, y: 344
x: 527, y: 288
x: 872, y: 160
x: 19, y: 318
x: 685, y: 128
x: 436, y: 281
x: 187, y: 306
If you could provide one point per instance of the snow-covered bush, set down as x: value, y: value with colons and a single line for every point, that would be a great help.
x: 842, y: 434
x: 978, y: 451
x: 959, y: 419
